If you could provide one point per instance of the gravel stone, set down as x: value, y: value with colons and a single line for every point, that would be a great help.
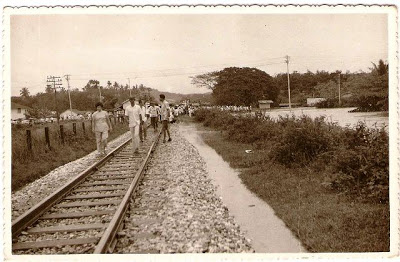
x: 176, y: 208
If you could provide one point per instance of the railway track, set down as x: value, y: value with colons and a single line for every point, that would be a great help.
x: 84, y: 215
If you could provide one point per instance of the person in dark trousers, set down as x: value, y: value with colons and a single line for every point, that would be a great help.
x: 165, y: 117
x: 143, y: 124
x: 153, y: 116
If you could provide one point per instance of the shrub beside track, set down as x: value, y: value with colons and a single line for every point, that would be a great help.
x: 327, y: 183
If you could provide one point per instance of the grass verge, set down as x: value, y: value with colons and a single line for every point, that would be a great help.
x: 323, y: 220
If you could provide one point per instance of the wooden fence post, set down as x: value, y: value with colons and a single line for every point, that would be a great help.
x: 62, y: 134
x: 47, y: 135
x: 74, y: 128
x: 29, y: 140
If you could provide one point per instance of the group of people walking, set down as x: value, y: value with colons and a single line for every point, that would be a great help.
x: 138, y: 116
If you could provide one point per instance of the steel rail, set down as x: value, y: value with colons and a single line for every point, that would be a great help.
x: 109, y: 234
x: 32, y: 215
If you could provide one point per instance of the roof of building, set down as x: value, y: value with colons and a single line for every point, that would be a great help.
x: 76, y: 111
x: 265, y: 101
x: 16, y: 106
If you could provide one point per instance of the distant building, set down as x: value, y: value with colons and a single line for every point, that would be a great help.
x: 265, y: 104
x: 72, y: 114
x: 312, y: 101
x: 18, y: 111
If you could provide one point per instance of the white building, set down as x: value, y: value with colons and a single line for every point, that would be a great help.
x: 72, y: 114
x: 265, y: 104
x: 312, y: 101
x: 18, y: 111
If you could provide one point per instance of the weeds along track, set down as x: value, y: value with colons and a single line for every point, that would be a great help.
x: 84, y: 215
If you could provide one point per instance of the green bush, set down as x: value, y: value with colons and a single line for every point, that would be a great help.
x: 302, y: 141
x: 328, y: 103
x: 371, y: 103
x: 357, y: 158
x: 362, y: 163
x: 201, y: 114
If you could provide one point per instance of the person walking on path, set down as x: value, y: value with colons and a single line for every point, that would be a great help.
x: 143, y: 124
x: 165, y: 117
x: 158, y: 113
x: 100, y: 126
x: 153, y: 116
x: 190, y: 111
x: 133, y: 112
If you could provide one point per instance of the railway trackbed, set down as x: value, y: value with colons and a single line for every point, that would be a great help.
x: 85, y: 214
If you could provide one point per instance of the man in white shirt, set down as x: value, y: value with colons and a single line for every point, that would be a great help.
x: 143, y: 125
x: 133, y: 112
x: 165, y: 113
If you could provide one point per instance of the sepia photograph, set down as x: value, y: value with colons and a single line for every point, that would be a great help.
x: 229, y: 130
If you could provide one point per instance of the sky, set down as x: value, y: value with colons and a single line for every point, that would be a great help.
x: 162, y: 51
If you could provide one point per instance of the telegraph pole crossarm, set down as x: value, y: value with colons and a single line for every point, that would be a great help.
x: 67, y: 77
x: 57, y: 83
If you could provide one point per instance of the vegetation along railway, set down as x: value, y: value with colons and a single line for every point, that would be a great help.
x: 86, y: 213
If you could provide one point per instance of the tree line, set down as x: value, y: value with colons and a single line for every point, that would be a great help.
x: 245, y: 86
x: 43, y: 103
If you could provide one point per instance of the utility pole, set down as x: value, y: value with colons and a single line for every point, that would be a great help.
x: 340, y: 102
x: 129, y: 84
x: 288, y: 80
x: 99, y: 87
x: 69, y: 93
x: 56, y: 82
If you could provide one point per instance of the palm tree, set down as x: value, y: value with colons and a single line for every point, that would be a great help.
x: 24, y: 92
x: 381, y: 69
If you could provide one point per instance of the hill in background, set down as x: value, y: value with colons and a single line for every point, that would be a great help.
x: 176, y: 98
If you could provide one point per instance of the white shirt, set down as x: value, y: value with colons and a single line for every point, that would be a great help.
x: 100, y: 121
x: 164, y: 110
x: 133, y: 113
x: 143, y: 112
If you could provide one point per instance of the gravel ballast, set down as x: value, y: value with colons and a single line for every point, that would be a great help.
x: 176, y: 208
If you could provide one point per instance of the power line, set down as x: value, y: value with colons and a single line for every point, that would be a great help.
x: 182, y: 68
x: 57, y: 82
x: 173, y: 74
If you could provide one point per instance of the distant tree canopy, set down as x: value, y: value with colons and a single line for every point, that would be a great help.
x: 83, y: 99
x: 238, y: 86
x: 244, y: 86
